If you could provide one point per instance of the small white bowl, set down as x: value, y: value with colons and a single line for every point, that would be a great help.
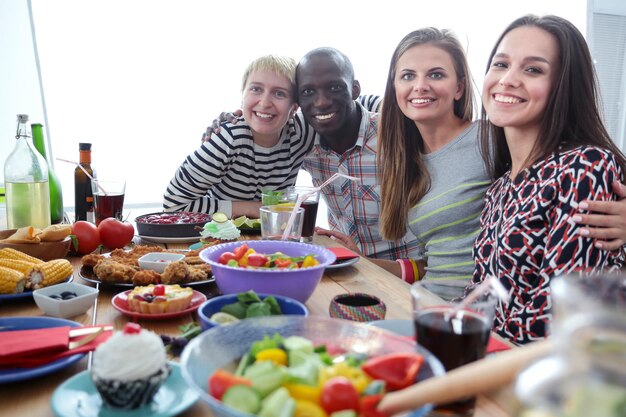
x: 85, y: 297
x: 157, y: 261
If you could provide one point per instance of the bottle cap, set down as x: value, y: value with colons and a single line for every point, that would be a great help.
x: 22, y: 118
x: 84, y: 146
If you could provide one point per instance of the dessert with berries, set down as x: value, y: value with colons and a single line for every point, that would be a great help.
x: 129, y: 368
x: 159, y: 299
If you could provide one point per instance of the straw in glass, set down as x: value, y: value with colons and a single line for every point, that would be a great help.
x: 86, y: 173
x: 302, y: 197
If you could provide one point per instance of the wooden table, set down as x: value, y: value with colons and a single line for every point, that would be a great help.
x: 32, y: 397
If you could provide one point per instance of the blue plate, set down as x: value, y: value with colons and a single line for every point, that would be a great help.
x: 25, y: 323
x: 78, y: 397
x: 28, y: 293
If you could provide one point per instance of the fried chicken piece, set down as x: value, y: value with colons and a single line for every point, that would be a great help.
x: 193, y: 260
x: 146, y: 277
x: 199, y: 272
x: 91, y: 259
x: 141, y: 250
x: 108, y: 270
x: 175, y: 273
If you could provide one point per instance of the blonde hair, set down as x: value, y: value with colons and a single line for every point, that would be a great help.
x: 281, y: 65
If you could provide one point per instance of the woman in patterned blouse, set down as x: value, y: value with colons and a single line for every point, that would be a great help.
x: 544, y: 141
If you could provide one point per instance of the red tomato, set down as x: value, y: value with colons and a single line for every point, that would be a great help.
x: 240, y: 251
x: 256, y: 259
x: 339, y: 394
x: 368, y: 406
x: 225, y: 257
x: 221, y: 380
x: 86, y: 237
x: 398, y: 370
x: 115, y: 234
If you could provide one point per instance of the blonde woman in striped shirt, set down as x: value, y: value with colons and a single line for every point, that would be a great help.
x: 264, y: 149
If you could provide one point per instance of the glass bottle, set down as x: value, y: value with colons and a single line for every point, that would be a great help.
x: 83, y: 195
x: 26, y: 182
x: 586, y: 374
x: 56, y: 193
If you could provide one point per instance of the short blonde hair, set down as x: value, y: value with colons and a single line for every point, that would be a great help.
x: 281, y: 65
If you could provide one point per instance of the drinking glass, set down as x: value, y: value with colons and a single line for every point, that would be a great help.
x: 274, y: 197
x: 455, y: 334
x: 310, y: 206
x: 108, y: 198
x: 274, y: 221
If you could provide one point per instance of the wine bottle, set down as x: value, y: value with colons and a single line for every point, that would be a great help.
x: 56, y: 192
x: 26, y: 182
x: 83, y: 195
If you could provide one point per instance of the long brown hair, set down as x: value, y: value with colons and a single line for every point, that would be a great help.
x: 572, y: 116
x: 403, y: 175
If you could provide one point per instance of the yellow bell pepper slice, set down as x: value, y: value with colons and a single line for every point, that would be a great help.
x: 304, y: 392
x: 306, y: 408
x: 278, y: 356
x: 356, y: 376
x: 244, y: 259
x: 309, y: 261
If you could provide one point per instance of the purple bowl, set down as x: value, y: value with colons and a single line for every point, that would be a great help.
x: 295, y: 283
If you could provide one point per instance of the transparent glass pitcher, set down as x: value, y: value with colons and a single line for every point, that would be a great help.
x: 586, y: 376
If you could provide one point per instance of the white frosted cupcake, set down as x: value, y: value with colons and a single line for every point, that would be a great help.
x: 129, y: 368
x: 220, y: 228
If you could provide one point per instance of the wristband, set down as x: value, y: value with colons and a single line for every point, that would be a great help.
x: 410, y: 271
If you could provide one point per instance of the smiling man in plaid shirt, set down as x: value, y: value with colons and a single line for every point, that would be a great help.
x: 345, y: 143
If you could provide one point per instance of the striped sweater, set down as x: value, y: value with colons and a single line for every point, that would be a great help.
x: 231, y: 167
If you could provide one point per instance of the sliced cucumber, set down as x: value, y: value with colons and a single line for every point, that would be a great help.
x: 242, y: 398
x: 298, y: 343
x: 278, y: 404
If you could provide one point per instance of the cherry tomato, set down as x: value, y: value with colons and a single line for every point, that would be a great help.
x: 86, y: 237
x: 115, y: 234
x: 240, y: 251
x: 257, y: 259
x: 221, y: 380
x: 339, y: 394
x: 225, y: 257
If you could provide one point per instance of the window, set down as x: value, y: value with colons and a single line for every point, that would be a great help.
x: 607, y: 40
x: 141, y: 79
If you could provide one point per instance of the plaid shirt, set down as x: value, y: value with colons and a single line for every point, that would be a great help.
x: 354, y: 207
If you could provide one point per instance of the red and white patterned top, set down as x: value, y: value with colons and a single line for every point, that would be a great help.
x: 529, y: 222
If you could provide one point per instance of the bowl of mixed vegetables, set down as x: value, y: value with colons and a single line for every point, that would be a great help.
x: 226, y: 309
x: 295, y: 366
x: 290, y: 269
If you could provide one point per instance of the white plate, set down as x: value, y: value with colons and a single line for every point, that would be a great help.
x: 344, y: 263
x: 398, y: 326
x: 158, y: 239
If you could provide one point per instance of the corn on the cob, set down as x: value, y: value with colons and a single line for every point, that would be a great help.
x: 11, y: 281
x: 17, y: 265
x: 10, y: 253
x: 48, y: 273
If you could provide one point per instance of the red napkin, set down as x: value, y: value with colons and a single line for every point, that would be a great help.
x: 30, y: 342
x: 36, y: 350
x: 495, y: 345
x: 343, y: 253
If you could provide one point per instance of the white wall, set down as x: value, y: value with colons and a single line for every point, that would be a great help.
x: 141, y: 79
